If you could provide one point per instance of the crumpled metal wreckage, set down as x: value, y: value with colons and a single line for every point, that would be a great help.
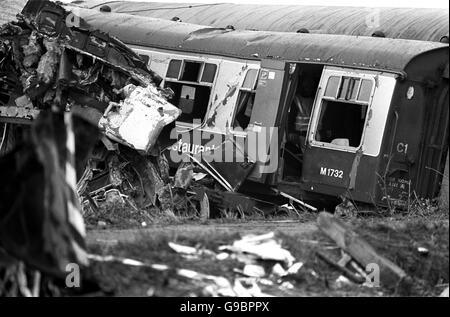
x: 98, y: 78
x: 52, y: 72
x: 88, y: 72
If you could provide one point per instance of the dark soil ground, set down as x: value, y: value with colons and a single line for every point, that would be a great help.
x: 396, y: 238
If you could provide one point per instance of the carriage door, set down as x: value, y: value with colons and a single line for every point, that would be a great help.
x: 263, y: 136
x: 346, y: 131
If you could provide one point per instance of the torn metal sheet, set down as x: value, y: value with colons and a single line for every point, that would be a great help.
x: 138, y: 120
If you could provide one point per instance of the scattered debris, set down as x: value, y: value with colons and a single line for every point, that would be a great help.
x: 346, y: 209
x: 204, y: 207
x: 191, y: 252
x: 252, y: 291
x: 423, y: 251
x: 263, y: 247
x: 391, y: 276
x: 278, y: 270
x: 298, y: 201
x: 348, y: 273
x: 295, y: 268
x: 253, y: 270
x: 342, y: 281
x: 222, y: 256
x: 287, y: 286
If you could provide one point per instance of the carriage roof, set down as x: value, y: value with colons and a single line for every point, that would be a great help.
x: 340, y: 50
x: 405, y: 23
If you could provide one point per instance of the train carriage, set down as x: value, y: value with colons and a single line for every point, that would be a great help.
x: 313, y: 116
x: 359, y: 117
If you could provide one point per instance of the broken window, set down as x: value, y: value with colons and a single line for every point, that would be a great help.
x: 191, y: 83
x: 191, y: 71
x: 246, y: 100
x: 343, y: 111
x: 192, y: 100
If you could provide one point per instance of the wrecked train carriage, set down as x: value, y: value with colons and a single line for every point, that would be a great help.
x: 49, y: 50
x: 50, y: 59
x: 357, y: 117
x: 46, y: 21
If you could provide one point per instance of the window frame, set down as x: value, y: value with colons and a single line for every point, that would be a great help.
x: 313, y: 129
x: 197, y: 84
x: 200, y: 74
x: 247, y: 90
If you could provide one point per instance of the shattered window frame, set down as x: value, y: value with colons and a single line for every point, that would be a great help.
x: 200, y: 76
x: 350, y: 97
x: 187, y: 72
x: 251, y: 92
x: 198, y: 84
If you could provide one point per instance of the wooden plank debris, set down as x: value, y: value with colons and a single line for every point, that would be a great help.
x: 391, y: 276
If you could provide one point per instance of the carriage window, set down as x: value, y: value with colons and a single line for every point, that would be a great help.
x: 348, y: 89
x: 343, y: 111
x: 365, y: 91
x: 341, y: 123
x: 250, y: 79
x: 191, y: 99
x: 209, y: 73
x: 246, y: 100
x: 332, y: 86
x: 191, y: 82
x: 191, y: 71
x: 174, y: 69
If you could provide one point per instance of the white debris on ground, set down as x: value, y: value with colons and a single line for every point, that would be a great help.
x: 256, y: 252
x: 262, y: 247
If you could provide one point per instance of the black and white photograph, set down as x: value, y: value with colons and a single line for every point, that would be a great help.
x: 248, y: 151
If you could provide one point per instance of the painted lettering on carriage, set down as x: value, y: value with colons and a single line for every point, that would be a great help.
x: 331, y: 172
